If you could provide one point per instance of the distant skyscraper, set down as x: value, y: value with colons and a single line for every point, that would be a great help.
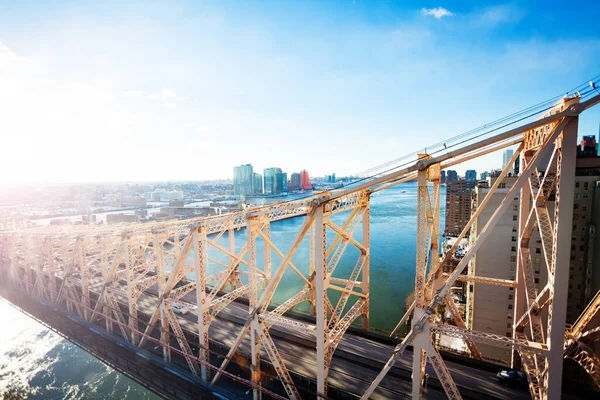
x: 471, y: 175
x: 281, y: 182
x: 451, y: 175
x: 257, y: 184
x: 270, y: 180
x: 506, y: 156
x: 296, y: 181
x: 587, y: 148
x: 443, y: 176
x: 306, y: 185
x: 243, y: 179
x: 485, y: 175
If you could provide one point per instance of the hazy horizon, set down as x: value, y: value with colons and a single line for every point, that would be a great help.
x: 105, y: 92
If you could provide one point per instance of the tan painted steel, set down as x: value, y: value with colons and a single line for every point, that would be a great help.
x: 66, y: 265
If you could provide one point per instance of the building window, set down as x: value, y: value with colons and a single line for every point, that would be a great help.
x: 584, y: 208
x: 538, y: 260
x: 514, y: 229
x: 586, y: 185
x: 508, y: 326
x: 538, y: 250
x: 510, y: 306
x: 513, y: 258
x: 514, y: 217
x: 514, y: 239
x: 516, y: 207
x: 576, y: 195
x: 585, y: 195
x: 576, y: 184
x: 537, y: 280
x: 513, y: 249
x: 575, y: 206
x: 510, y: 296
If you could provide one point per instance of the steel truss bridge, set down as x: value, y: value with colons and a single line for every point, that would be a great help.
x: 123, y: 275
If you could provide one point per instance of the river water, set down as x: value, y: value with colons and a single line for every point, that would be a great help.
x: 52, y: 368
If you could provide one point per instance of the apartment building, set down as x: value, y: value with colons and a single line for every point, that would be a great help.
x: 491, y: 308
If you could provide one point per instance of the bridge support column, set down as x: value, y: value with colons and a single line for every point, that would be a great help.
x: 320, y: 283
x: 519, y: 290
x: 561, y: 254
x: 266, y: 229
x: 159, y: 260
x: 366, y: 269
x: 311, y: 268
x: 85, y: 277
x: 252, y: 227
x: 419, y: 356
x: 131, y: 290
x: 200, y: 261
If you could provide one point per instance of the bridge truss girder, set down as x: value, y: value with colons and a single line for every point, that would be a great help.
x: 118, y: 265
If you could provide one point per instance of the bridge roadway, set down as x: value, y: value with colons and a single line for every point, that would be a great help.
x: 356, y: 361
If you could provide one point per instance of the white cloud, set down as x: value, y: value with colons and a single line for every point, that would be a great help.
x: 492, y: 16
x: 166, y: 96
x: 437, y: 12
x: 6, y: 55
x: 133, y: 93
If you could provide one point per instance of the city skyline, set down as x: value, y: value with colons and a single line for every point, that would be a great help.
x: 353, y: 82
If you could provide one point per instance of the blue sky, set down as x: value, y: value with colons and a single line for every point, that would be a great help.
x: 102, y: 91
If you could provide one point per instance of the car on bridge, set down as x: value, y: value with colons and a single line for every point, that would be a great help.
x: 181, y: 308
x: 512, y: 378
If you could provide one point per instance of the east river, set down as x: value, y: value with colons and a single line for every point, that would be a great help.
x: 52, y: 368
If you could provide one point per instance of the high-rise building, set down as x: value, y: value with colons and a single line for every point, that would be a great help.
x: 458, y: 206
x: 243, y: 179
x: 257, y: 184
x: 451, y: 175
x: 296, y: 181
x: 270, y: 180
x: 306, y: 185
x: 492, y: 306
x: 471, y: 175
x: 282, y: 182
x: 506, y: 156
x: 443, y: 176
x: 485, y: 175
